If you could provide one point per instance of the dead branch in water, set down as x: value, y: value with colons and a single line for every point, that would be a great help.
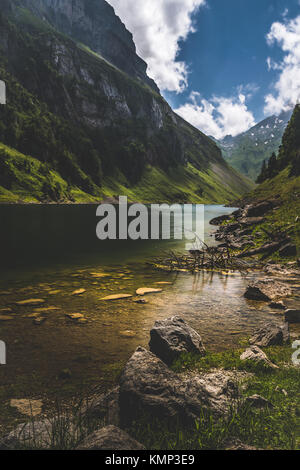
x: 216, y: 258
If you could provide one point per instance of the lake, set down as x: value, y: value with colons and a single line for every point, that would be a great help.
x: 48, y: 252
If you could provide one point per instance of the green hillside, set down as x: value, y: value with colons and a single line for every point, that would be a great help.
x: 90, y: 130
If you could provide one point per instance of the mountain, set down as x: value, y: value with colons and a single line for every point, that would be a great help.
x: 83, y: 121
x: 247, y: 151
x: 284, y: 188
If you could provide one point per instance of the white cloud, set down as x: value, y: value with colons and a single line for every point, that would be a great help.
x: 287, y: 87
x: 157, y: 27
x: 219, y: 116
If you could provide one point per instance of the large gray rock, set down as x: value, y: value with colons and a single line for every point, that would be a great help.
x: 147, y: 385
x: 36, y: 434
x: 255, y: 354
x: 292, y: 316
x: 267, y: 290
x: 110, y: 438
x: 172, y: 337
x: 271, y: 335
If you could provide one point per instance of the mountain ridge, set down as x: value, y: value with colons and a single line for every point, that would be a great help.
x: 247, y: 151
x: 102, y: 130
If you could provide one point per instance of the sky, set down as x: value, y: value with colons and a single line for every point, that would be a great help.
x: 223, y: 65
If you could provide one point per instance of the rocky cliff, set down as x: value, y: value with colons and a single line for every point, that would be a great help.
x: 101, y: 130
x: 95, y: 24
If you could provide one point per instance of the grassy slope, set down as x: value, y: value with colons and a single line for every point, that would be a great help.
x: 29, y: 178
x: 284, y: 218
x: 198, y: 181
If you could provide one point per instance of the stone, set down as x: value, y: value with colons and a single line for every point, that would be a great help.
x: 172, y: 337
x: 31, y: 435
x: 6, y: 318
x: 271, y: 335
x: 127, y: 334
x: 147, y: 290
x: 5, y: 310
x: 75, y: 316
x: 251, y: 221
x: 257, y: 210
x: 46, y: 309
x: 39, y: 320
x: 79, y: 292
x: 147, y: 385
x: 288, y: 250
x: 30, y: 302
x: 255, y: 354
x: 277, y: 305
x: 238, y: 445
x: 140, y: 301
x: 257, y: 401
x: 116, y: 297
x: 267, y: 290
x: 27, y: 407
x: 110, y: 438
x: 292, y: 315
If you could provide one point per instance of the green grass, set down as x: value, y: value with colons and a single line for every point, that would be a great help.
x: 272, y: 428
x: 282, y: 219
x: 25, y: 179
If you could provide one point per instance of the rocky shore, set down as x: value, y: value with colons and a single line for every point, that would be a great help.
x: 149, y: 387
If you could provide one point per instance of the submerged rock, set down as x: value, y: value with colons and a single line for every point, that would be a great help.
x: 6, y: 318
x: 110, y: 438
x: 79, y: 292
x: 147, y: 385
x: 30, y: 302
x: 255, y: 354
x: 116, y: 297
x: 147, y: 290
x: 75, y: 316
x: 267, y: 290
x: 27, y: 407
x: 172, y: 337
x: 271, y: 335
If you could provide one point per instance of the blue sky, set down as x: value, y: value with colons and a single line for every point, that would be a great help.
x: 222, y: 64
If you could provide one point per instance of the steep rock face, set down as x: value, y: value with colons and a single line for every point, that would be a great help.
x: 95, y: 24
x: 93, y: 123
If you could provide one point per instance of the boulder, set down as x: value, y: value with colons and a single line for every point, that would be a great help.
x: 258, y: 210
x: 288, y: 250
x: 110, y: 438
x: 30, y: 435
x: 271, y: 335
x: 277, y: 305
x: 171, y: 337
x: 148, y: 386
x: 292, y: 316
x: 267, y: 290
x: 248, y: 221
x: 257, y: 401
x: 255, y: 354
